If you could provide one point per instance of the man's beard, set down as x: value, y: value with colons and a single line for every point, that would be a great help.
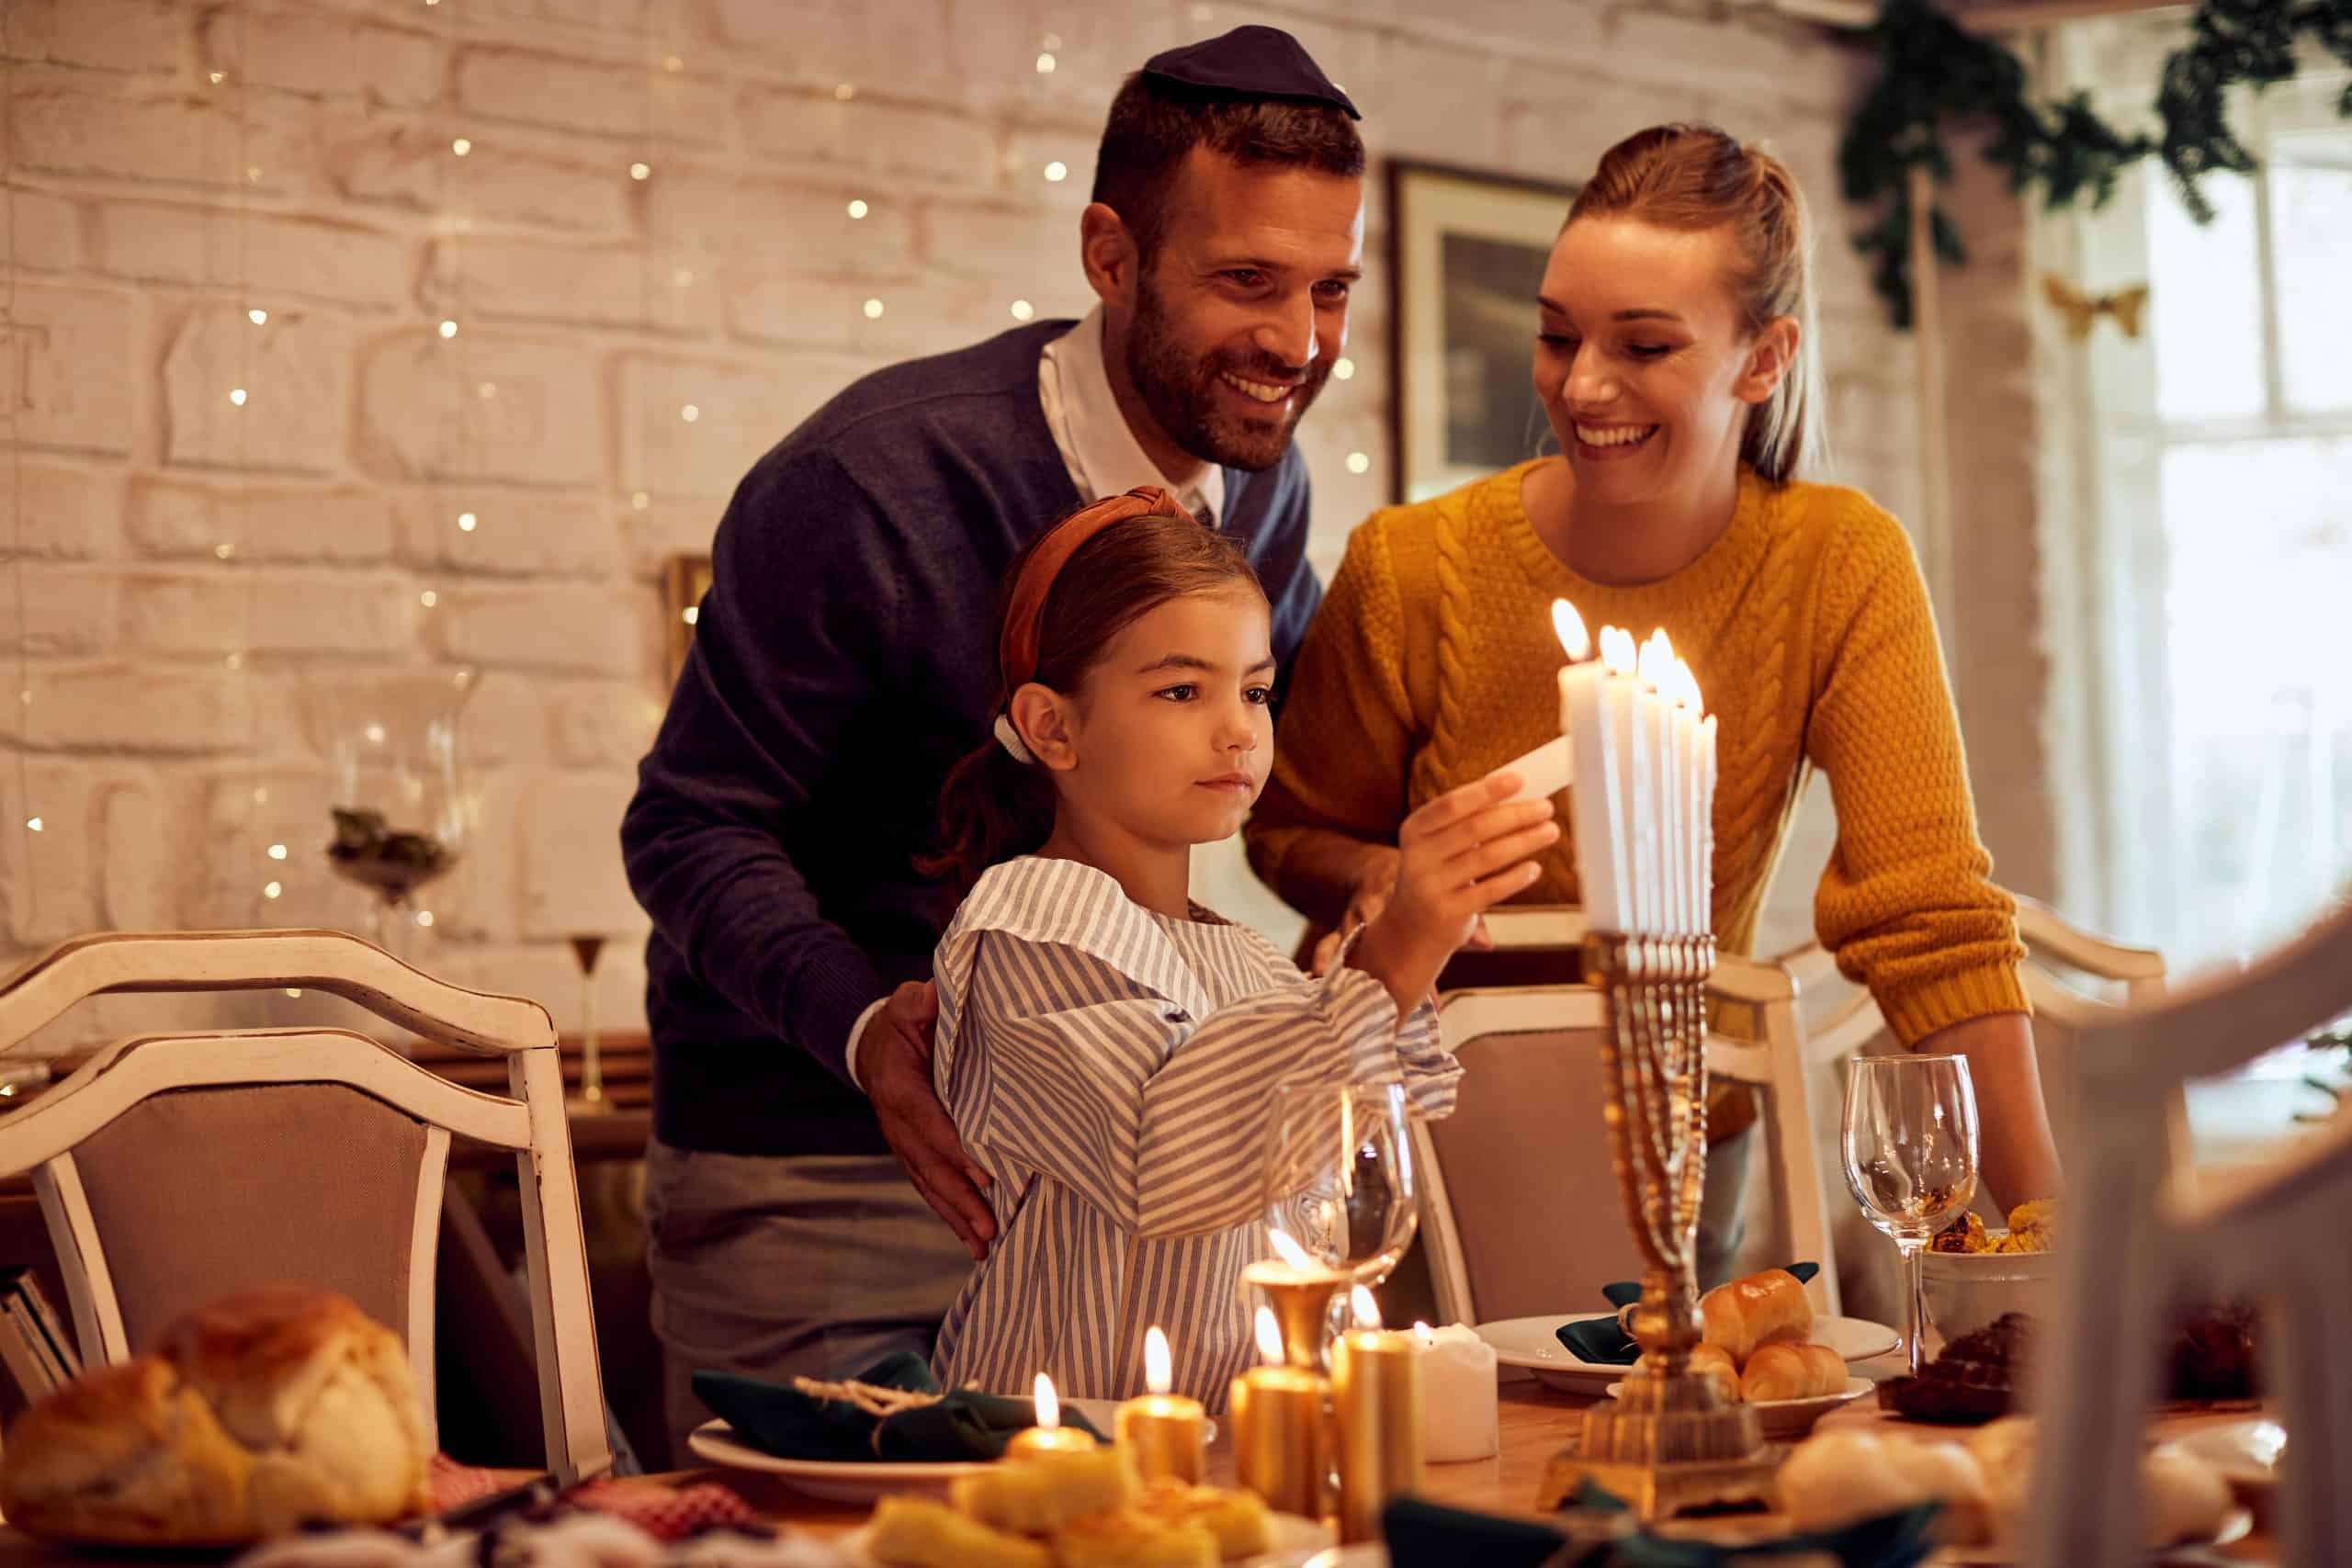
x: 1181, y: 394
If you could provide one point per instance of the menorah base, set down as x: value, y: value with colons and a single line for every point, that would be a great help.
x: 1667, y: 1445
x: 1658, y: 1490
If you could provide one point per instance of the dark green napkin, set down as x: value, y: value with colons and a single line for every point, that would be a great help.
x: 1594, y: 1533
x: 778, y: 1419
x: 1603, y: 1342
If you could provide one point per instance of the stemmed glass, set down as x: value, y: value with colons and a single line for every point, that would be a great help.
x: 402, y: 803
x: 1339, y: 1174
x: 1910, y: 1158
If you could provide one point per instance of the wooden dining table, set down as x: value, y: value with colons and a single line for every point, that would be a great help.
x: 1535, y: 1423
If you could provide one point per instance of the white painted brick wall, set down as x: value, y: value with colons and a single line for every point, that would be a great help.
x: 179, y: 700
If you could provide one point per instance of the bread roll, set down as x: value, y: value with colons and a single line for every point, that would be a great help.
x: 127, y: 1454
x: 1713, y: 1363
x: 1948, y: 1473
x: 1759, y: 1310
x: 2188, y: 1499
x: 1834, y: 1478
x: 1792, y: 1371
x: 254, y: 1416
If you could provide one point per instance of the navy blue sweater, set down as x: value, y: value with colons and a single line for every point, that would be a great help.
x: 843, y: 660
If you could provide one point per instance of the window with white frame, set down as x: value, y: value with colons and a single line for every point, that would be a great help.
x: 2213, y: 525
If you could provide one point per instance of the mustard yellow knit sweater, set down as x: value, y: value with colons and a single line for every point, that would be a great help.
x: 1808, y: 625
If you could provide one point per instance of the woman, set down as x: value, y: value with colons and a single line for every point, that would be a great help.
x: 1674, y: 359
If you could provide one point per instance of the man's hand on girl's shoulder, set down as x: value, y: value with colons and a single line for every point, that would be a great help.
x: 894, y: 1061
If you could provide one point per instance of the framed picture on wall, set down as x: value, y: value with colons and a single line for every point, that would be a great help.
x: 683, y: 584
x: 1466, y: 252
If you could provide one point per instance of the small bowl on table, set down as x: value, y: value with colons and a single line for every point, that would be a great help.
x: 1965, y: 1291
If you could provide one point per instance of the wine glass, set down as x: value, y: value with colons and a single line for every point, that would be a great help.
x: 401, y: 804
x: 1339, y: 1174
x: 1910, y: 1158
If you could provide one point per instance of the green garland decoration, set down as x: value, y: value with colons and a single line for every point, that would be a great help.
x: 1933, y: 72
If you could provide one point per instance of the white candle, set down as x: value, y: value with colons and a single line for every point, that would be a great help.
x: 1551, y: 767
x: 1459, y: 1419
x: 1694, y: 813
x: 1673, y: 787
x: 1648, y: 796
x: 1547, y: 770
x: 1598, y: 721
x: 1707, y: 820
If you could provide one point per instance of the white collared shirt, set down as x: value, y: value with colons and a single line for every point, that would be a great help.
x: 1091, y: 431
x: 1103, y: 457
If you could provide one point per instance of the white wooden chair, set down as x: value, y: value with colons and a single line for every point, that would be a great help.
x: 1543, y: 1237
x: 172, y: 1168
x: 2275, y: 1232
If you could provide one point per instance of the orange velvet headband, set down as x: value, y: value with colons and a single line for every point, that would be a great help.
x: 1025, y: 611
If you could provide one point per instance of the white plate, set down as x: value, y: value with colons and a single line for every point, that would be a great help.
x: 862, y: 1481
x: 2248, y: 1453
x: 841, y: 1481
x: 1783, y: 1418
x: 1533, y: 1343
x: 1299, y: 1543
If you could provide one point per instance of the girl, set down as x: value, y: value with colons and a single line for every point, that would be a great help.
x: 1673, y: 354
x: 1105, y: 1046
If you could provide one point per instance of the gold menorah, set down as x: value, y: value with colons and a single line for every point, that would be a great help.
x: 1669, y: 1442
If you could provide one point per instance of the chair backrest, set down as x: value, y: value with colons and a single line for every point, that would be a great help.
x: 2272, y: 1231
x: 173, y: 1167
x: 1521, y: 1213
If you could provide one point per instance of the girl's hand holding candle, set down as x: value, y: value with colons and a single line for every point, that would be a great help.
x: 1163, y: 1435
x: 1458, y: 1395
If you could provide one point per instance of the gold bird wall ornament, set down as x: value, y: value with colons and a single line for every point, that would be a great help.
x: 2082, y: 311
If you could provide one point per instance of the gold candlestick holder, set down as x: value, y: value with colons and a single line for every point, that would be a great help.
x: 1301, y: 1298
x: 1668, y: 1443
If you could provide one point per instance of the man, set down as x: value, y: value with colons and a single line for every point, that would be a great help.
x: 844, y: 659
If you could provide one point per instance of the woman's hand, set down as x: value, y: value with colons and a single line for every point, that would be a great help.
x: 1457, y: 857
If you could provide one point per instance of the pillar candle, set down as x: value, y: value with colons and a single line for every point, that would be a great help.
x: 1164, y: 1434
x: 1048, y: 1435
x: 1459, y: 1399
x: 1279, y: 1416
x: 1376, y: 1394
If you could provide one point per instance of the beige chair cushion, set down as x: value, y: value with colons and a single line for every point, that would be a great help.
x: 202, y: 1191
x: 1527, y: 1166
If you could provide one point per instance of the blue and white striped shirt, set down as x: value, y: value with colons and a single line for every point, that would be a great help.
x: 1111, y: 1069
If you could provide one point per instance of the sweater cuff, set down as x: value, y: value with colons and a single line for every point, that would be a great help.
x: 1980, y: 991
x: 826, y: 1010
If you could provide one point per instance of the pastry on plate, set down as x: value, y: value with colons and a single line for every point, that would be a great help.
x: 1756, y: 1311
x: 1130, y: 1539
x: 1237, y: 1520
x: 1038, y: 1494
x: 918, y: 1532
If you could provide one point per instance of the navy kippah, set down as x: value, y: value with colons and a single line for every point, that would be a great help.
x: 1251, y: 62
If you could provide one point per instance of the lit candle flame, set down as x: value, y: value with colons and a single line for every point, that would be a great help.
x: 1290, y: 1251
x: 1569, y: 626
x: 1617, y: 651
x: 1270, y: 1338
x: 1686, y: 688
x: 1049, y: 1409
x: 1425, y: 1334
x: 1656, y: 663
x: 1367, y: 1311
x: 1159, y: 1367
